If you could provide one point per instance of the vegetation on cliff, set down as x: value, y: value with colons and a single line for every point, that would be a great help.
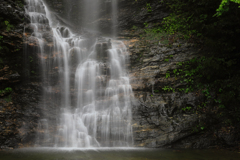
x: 214, y: 27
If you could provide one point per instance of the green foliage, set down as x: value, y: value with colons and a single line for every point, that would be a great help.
x: 217, y: 79
x: 215, y: 76
x: 156, y: 34
x: 206, y: 93
x: 167, y: 75
x: 152, y: 35
x: 8, y: 26
x: 146, y: 24
x: 167, y: 59
x: 220, y: 32
x: 224, y: 6
x: 177, y: 24
x: 134, y: 27
x: 167, y: 88
x: 8, y: 89
x: 220, y: 103
x: 30, y: 59
x: 187, y: 108
x: 5, y: 91
x: 175, y: 72
x: 181, y: 89
x: 180, y: 63
x: 198, y: 128
x: 202, y: 127
x: 149, y: 8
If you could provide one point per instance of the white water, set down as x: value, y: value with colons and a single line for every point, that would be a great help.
x: 92, y: 80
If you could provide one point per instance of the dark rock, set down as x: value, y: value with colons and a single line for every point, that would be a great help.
x: 158, y: 118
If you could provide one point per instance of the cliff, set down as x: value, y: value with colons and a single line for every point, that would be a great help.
x: 163, y: 115
x: 19, y: 91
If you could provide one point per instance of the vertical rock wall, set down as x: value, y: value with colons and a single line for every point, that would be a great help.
x: 19, y: 78
x: 158, y: 117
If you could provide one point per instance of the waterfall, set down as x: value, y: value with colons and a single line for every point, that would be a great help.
x: 91, y: 14
x: 114, y: 17
x: 86, y: 76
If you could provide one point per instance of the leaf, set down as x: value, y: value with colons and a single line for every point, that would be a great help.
x: 167, y: 75
x: 174, y: 71
x: 6, y: 22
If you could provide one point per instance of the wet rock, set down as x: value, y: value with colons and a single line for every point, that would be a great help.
x: 48, y: 36
x: 158, y: 118
x: 19, y: 104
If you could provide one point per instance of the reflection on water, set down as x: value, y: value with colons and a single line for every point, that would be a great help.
x: 116, y: 154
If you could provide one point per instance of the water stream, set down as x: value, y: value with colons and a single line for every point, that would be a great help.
x: 87, y: 76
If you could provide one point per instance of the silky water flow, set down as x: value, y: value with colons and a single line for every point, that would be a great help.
x: 92, y: 87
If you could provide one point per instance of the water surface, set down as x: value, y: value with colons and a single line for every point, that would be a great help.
x: 116, y: 154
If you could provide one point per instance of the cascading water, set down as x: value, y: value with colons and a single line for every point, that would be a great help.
x: 94, y: 99
x: 114, y: 17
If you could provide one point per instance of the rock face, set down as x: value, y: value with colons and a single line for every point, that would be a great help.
x: 159, y: 118
x: 136, y: 13
x: 131, y: 13
x: 19, y: 89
